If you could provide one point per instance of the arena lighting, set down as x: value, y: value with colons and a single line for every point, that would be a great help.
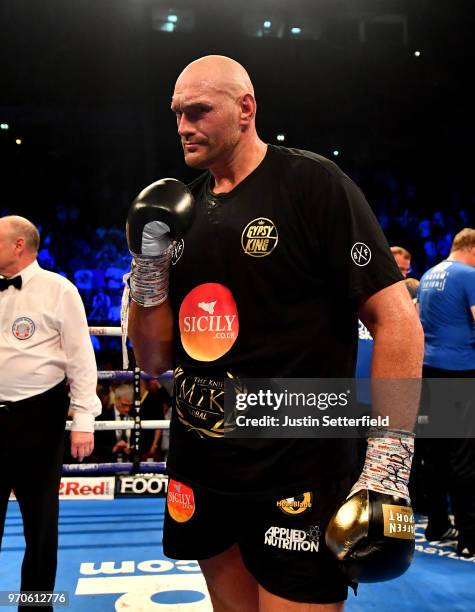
x: 4, y: 126
x: 295, y: 30
x: 281, y: 137
x: 267, y: 24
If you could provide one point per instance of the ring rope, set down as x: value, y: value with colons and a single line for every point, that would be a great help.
x: 129, y: 375
x: 105, y: 331
x: 112, y: 425
x: 145, y: 467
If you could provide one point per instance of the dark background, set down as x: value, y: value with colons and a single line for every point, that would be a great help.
x: 86, y: 85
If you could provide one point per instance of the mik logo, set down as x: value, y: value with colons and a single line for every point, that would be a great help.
x: 200, y: 395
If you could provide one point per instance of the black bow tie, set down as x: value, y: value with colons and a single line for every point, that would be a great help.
x: 6, y: 282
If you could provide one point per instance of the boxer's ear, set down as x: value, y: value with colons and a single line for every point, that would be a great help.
x: 247, y: 107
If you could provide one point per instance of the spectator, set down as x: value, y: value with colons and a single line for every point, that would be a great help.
x: 403, y: 259
x: 447, y: 309
x: 116, y: 445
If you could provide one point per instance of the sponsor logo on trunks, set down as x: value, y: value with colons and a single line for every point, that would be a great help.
x: 209, y: 322
x: 293, y: 539
x: 23, y: 328
x: 296, y: 505
x: 259, y: 237
x: 180, y: 501
x: 360, y: 254
x: 178, y: 251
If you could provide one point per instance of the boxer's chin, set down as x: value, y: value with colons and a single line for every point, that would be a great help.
x: 196, y: 160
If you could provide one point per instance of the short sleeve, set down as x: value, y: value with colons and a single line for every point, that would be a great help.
x: 351, y: 243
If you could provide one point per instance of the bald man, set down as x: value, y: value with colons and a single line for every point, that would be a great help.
x: 249, y: 297
x: 44, y: 339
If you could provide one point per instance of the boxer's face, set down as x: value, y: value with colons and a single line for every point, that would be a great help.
x: 207, y: 121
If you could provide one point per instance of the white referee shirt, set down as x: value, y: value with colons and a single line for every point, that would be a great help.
x: 44, y: 336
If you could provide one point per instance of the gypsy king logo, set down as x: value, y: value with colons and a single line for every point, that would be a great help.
x: 209, y: 322
x: 259, y: 237
x: 23, y: 328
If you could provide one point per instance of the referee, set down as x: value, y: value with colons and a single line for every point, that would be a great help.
x: 44, y: 340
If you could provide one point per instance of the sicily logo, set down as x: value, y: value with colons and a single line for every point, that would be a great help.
x: 209, y: 322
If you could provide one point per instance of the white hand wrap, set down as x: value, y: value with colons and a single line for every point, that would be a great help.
x: 148, y: 279
x: 388, y: 463
x: 147, y: 285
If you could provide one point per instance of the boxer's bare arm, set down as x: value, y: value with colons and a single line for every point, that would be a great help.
x: 392, y: 320
x: 151, y: 333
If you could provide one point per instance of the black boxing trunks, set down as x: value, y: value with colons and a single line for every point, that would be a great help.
x: 282, y: 541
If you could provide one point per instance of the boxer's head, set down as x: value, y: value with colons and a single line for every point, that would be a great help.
x: 215, y: 109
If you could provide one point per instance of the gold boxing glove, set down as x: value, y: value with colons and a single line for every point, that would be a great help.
x: 372, y: 533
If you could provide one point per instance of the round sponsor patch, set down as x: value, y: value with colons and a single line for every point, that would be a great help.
x: 360, y: 254
x: 180, y: 501
x: 209, y: 322
x: 297, y: 504
x: 23, y: 328
x: 259, y: 238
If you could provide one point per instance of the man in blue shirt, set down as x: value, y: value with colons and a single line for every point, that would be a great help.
x: 447, y: 310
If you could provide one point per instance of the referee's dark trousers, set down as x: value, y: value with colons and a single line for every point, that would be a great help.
x: 31, y: 455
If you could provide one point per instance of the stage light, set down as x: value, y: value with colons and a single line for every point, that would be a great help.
x: 4, y: 126
x: 295, y: 30
x: 267, y: 24
x: 417, y: 53
x: 172, y: 18
x: 336, y: 153
x: 281, y: 137
x: 18, y: 141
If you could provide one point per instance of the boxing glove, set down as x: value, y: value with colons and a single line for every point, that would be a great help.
x: 159, y: 216
x: 372, y: 532
x: 161, y: 213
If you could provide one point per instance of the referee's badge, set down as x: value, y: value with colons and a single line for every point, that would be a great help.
x: 23, y: 328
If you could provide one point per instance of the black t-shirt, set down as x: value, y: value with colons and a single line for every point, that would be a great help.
x: 153, y: 406
x: 266, y: 284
